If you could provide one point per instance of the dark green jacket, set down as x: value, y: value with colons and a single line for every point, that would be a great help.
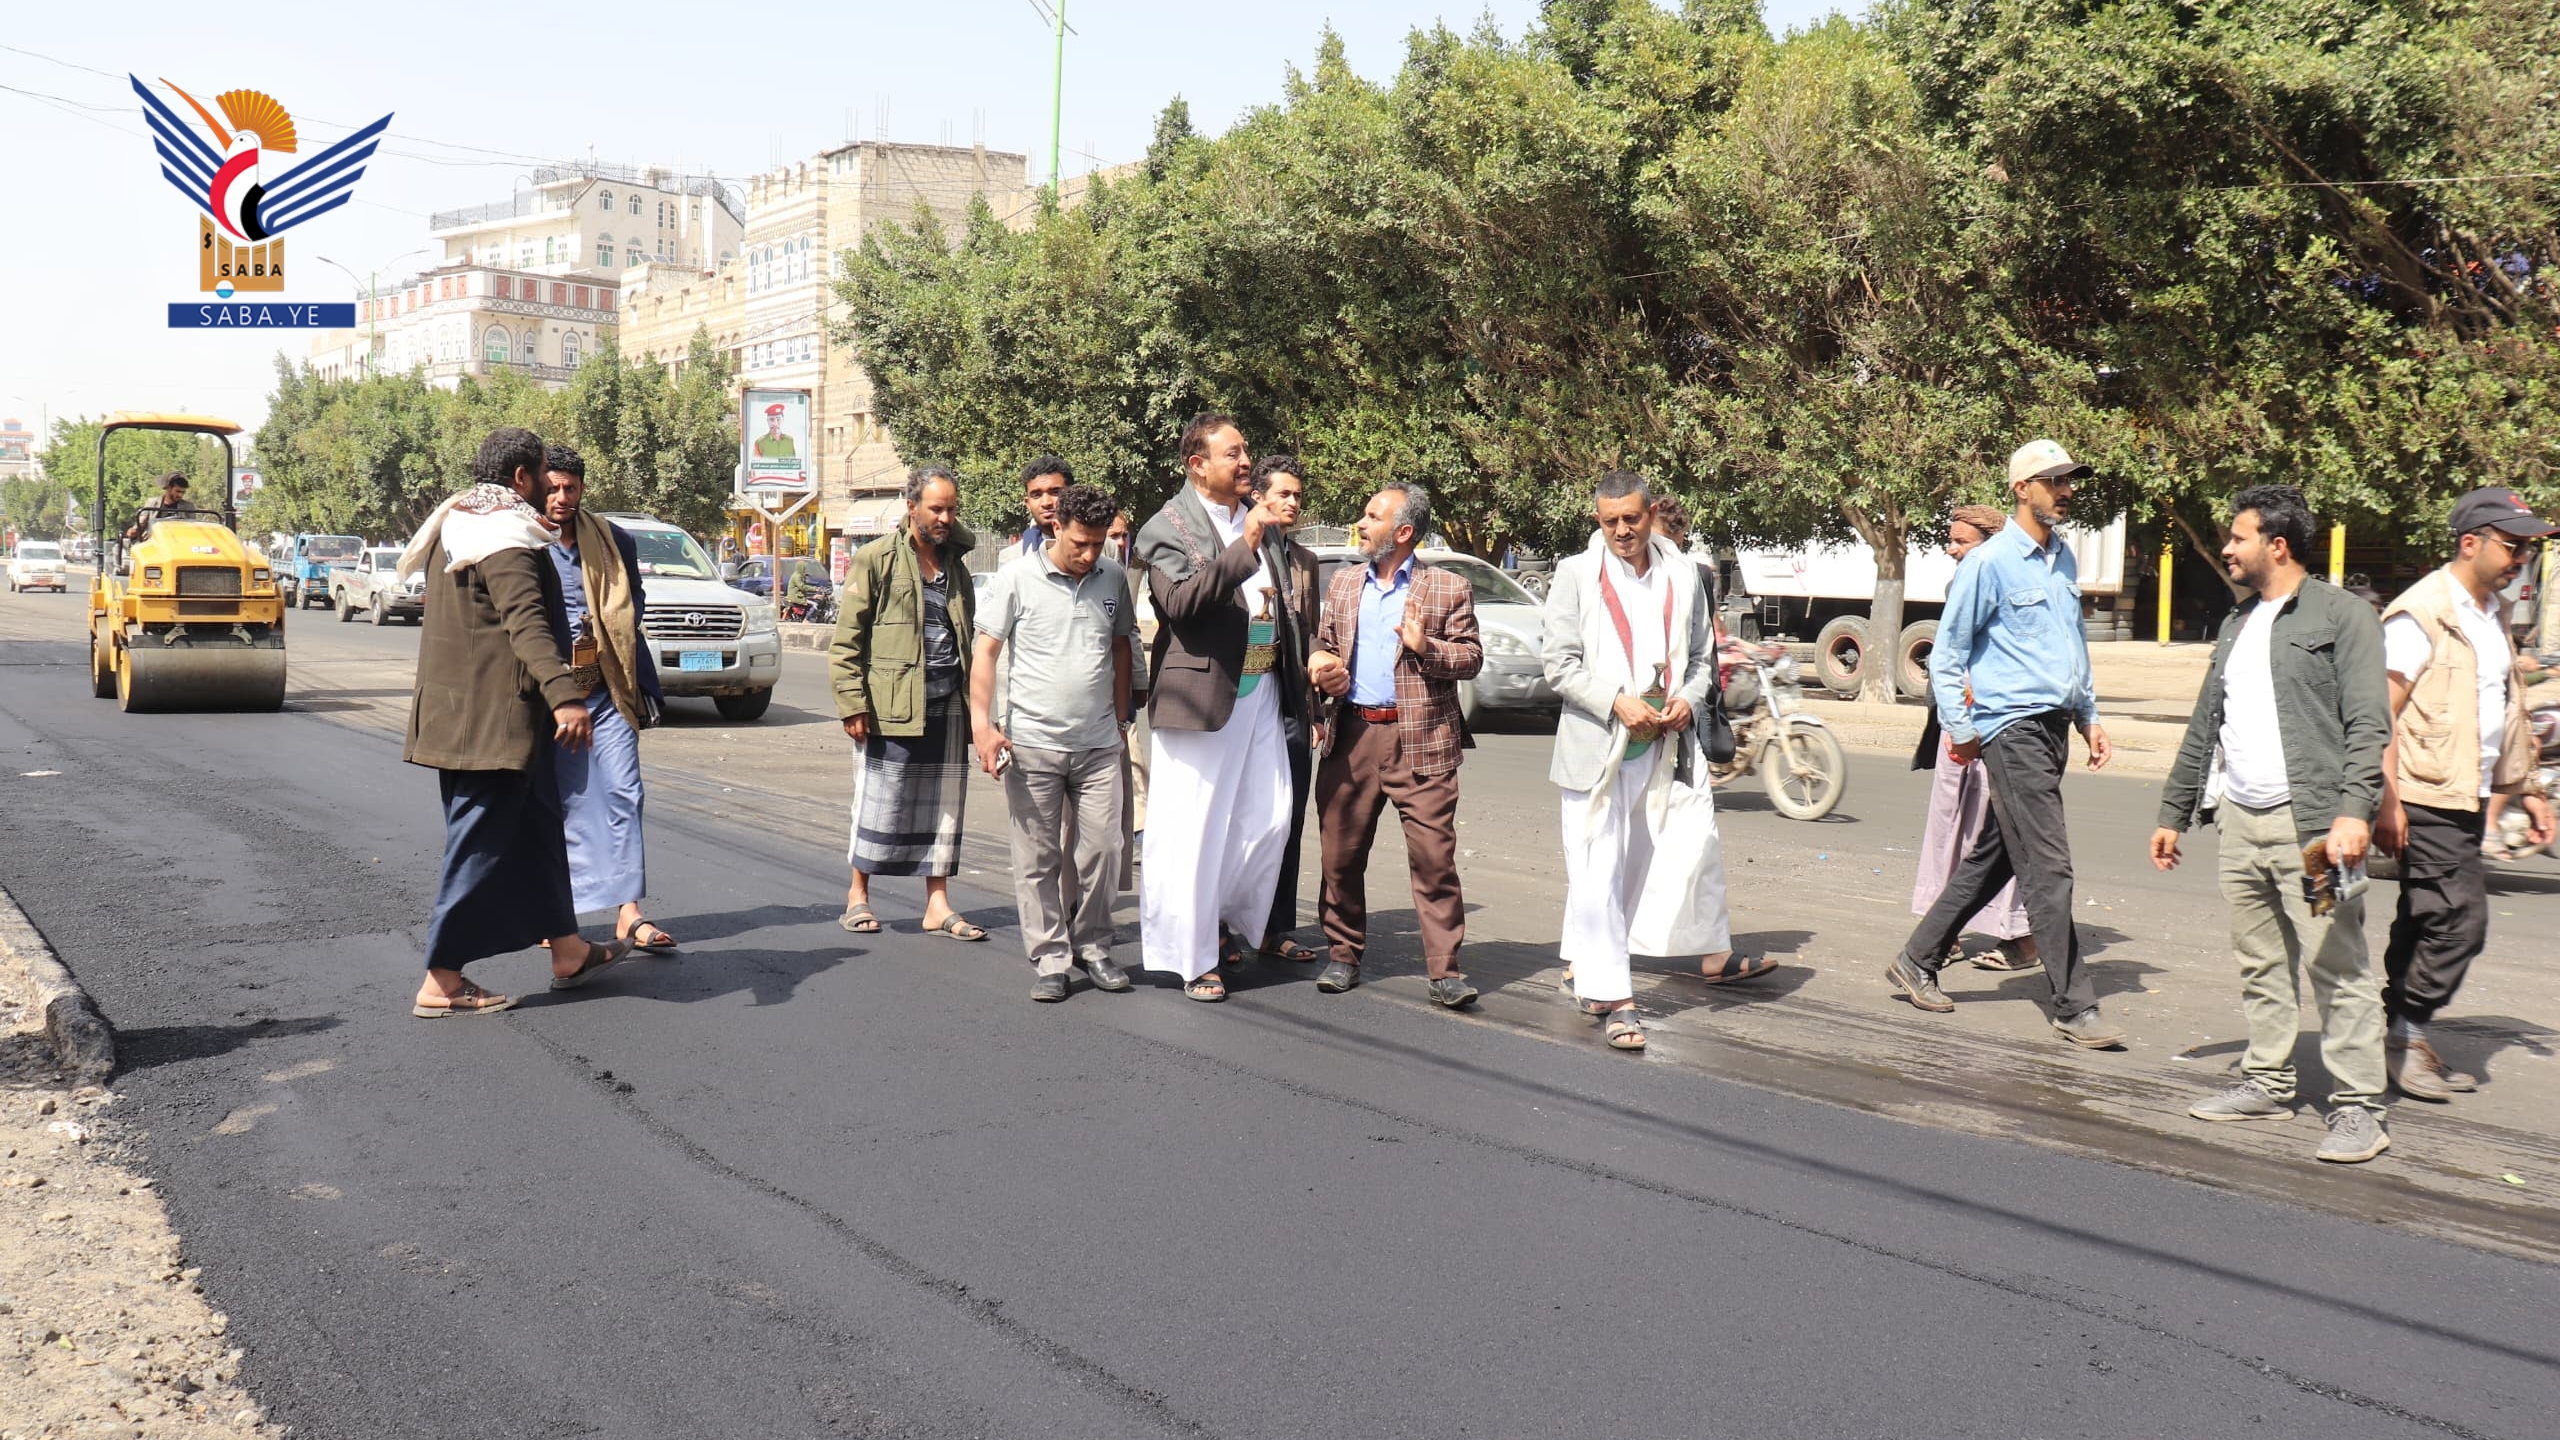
x: 2333, y: 711
x: 878, y: 656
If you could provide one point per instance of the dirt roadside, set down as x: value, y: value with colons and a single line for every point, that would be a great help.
x: 102, y: 1329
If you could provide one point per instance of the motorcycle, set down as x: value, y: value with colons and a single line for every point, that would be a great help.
x: 819, y: 609
x: 1796, y: 756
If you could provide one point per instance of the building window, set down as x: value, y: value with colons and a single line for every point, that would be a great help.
x: 604, y: 250
x: 631, y: 256
x: 529, y: 336
x: 497, y: 345
x: 635, y: 204
x: 550, y: 250
x: 569, y: 349
x: 524, y: 256
x: 559, y: 294
x: 506, y: 288
x: 605, y: 197
x: 583, y: 297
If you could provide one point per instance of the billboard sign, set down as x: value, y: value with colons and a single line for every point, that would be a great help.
x: 774, y: 442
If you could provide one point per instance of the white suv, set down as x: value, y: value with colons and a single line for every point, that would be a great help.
x: 36, y: 566
x: 709, y: 639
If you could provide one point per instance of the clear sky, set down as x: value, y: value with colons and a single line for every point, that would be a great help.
x: 97, y: 245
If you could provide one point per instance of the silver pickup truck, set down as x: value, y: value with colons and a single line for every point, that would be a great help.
x: 370, y: 585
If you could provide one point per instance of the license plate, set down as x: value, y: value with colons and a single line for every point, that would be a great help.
x: 698, y: 660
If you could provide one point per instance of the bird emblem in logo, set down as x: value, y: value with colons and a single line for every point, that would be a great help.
x: 247, y: 200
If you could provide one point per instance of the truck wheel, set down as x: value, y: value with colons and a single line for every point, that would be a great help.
x: 1911, y: 658
x: 378, y: 616
x: 749, y: 706
x: 1840, y: 655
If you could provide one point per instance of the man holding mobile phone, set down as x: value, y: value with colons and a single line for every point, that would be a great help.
x: 2284, y: 751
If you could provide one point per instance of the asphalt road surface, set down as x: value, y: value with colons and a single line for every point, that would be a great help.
x: 803, y: 1183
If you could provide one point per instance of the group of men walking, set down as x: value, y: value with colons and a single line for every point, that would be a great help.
x: 2321, y: 733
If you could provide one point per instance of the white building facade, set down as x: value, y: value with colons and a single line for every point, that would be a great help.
x: 531, y: 283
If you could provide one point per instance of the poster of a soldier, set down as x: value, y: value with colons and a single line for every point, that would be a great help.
x: 776, y: 433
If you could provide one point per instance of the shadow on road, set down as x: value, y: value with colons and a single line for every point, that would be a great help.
x: 156, y: 1045
x: 772, y: 977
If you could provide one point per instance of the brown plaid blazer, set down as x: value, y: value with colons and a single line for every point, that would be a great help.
x: 1431, y: 730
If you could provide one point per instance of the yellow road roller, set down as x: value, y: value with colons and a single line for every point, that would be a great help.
x: 182, y: 615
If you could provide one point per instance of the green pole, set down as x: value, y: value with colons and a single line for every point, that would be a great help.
x: 1057, y: 88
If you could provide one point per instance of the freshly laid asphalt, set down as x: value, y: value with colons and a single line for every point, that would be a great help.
x: 797, y: 1182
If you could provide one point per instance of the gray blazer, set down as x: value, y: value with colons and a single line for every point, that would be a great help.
x: 1200, y: 626
x: 1587, y: 741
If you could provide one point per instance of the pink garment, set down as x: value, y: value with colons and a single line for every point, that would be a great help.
x: 1959, y: 797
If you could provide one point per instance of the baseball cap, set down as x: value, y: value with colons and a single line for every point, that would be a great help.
x: 2499, y: 508
x: 2043, y: 460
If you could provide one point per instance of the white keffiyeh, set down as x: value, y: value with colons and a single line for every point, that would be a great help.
x: 475, y: 525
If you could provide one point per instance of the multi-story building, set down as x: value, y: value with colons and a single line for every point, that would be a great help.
x: 772, y: 310
x: 17, y: 450
x: 530, y: 283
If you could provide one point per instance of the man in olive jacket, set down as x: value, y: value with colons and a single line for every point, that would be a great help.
x: 900, y: 662
x: 2285, y: 747
x: 493, y: 693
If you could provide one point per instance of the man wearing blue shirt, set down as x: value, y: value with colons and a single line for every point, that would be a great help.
x: 2010, y: 675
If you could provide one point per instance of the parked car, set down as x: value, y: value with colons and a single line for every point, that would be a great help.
x: 755, y: 576
x: 371, y: 584
x: 1514, y: 679
x: 37, y: 565
x: 711, y: 640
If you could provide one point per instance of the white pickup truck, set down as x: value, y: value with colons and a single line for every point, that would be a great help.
x: 370, y: 585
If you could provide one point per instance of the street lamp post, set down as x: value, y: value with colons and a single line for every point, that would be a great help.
x: 372, y: 302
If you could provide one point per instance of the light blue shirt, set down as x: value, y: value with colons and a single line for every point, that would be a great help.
x: 1375, y: 652
x: 2011, y: 625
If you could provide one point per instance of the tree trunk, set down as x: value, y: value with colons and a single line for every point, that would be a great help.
x: 1889, y: 535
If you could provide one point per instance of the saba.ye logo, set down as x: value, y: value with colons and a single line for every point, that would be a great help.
x: 230, y: 173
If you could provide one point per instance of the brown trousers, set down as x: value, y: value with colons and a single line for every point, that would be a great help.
x: 1362, y: 773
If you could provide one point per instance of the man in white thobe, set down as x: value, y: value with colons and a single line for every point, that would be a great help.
x: 1630, y: 649
x: 1218, y: 788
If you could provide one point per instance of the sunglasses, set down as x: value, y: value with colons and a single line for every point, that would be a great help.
x: 2516, y: 547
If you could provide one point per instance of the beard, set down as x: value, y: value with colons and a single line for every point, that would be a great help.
x: 2047, y: 518
x: 1374, y: 551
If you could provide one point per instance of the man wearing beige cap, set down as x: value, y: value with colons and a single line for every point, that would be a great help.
x: 2010, y: 675
x: 2459, y: 735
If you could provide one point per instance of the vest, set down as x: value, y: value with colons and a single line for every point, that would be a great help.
x: 2439, y: 729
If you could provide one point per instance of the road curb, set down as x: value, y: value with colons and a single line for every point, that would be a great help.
x: 82, y: 1040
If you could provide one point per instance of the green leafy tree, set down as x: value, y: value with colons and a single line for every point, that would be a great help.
x: 35, y: 507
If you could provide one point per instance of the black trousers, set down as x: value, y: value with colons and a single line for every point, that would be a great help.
x: 2024, y: 837
x: 1302, y: 764
x: 2442, y: 923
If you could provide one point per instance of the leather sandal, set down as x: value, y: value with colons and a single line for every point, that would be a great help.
x: 469, y: 1000
x: 1625, y: 1031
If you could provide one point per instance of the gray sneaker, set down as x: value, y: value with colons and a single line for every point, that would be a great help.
x: 2244, y: 1101
x: 2355, y: 1135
